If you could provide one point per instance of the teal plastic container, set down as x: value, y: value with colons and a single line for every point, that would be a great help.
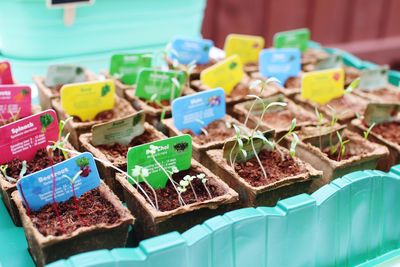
x: 29, y: 30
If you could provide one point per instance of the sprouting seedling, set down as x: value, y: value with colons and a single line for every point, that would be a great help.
x: 352, y: 86
x: 188, y: 180
x: 239, y: 142
x: 293, y: 145
x: 290, y: 131
x: 24, y: 169
x: 204, y: 181
x: 143, y: 173
x: 334, y: 117
x: 154, y: 99
x: 61, y: 142
x: 152, y: 152
x: 72, y: 182
x: 320, y: 119
x: 341, y: 146
x: 368, y: 131
x: 203, y: 129
x: 3, y: 169
x: 255, y: 85
x: 13, y: 116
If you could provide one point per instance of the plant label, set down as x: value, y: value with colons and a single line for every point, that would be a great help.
x: 68, y: 3
x: 5, y: 73
x: 196, y: 111
x: 381, y: 112
x: 293, y: 39
x: 15, y: 100
x: 247, y: 47
x: 329, y: 62
x: 120, y: 131
x: 232, y: 152
x: 281, y: 63
x: 374, y: 79
x: 186, y: 50
x: 160, y: 157
x: 159, y: 84
x: 72, y: 177
x: 64, y: 74
x: 322, y: 86
x: 23, y: 138
x: 86, y: 100
x: 225, y: 74
x: 125, y: 67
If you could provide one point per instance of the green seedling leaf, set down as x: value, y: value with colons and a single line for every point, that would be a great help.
x: 353, y: 85
x: 293, y: 145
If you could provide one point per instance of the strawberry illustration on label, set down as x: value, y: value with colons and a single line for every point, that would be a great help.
x: 336, y: 76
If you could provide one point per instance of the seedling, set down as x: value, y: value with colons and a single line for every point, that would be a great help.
x: 352, y: 86
x: 294, y: 142
x: 203, y: 129
x: 24, y: 169
x: 368, y: 131
x: 340, y: 148
x: 61, y: 141
x: 320, y: 119
x: 13, y: 117
x: 143, y: 173
x: 72, y: 182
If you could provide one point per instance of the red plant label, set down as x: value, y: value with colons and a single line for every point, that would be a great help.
x: 21, y: 139
x: 5, y: 73
x: 15, y: 101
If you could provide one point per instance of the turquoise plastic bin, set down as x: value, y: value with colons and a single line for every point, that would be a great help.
x: 29, y: 30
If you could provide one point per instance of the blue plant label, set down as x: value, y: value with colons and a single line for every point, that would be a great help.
x: 76, y: 175
x: 191, y: 50
x: 281, y: 63
x: 198, y: 110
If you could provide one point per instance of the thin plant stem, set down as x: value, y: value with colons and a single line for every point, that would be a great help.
x: 194, y: 191
x: 152, y: 189
x: 258, y: 159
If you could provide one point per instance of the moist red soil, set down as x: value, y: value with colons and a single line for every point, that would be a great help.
x: 164, y: 103
x: 283, y: 118
x: 345, y: 102
x: 217, y: 131
x: 168, y: 198
x: 117, y: 152
x: 39, y: 162
x: 335, y: 156
x: 293, y: 82
x: 276, y: 167
x: 102, y: 116
x: 387, y: 95
x: 93, y: 210
x: 389, y: 131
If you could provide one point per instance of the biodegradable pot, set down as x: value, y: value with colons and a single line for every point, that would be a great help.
x: 390, y: 94
x: 266, y: 195
x: 120, y: 87
x: 106, y: 172
x: 310, y: 57
x: 332, y: 169
x: 153, y: 114
x: 46, y: 249
x: 394, y: 148
x: 121, y: 109
x: 6, y: 190
x: 46, y: 94
x: 278, y: 124
x: 195, y: 74
x: 199, y: 150
x: 239, y: 94
x: 346, y: 106
x: 151, y: 222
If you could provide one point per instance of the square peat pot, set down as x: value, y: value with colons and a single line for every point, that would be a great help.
x: 239, y: 93
x: 6, y: 190
x: 75, y: 127
x: 120, y: 87
x: 278, y: 120
x: 151, y: 222
x: 347, y: 107
x: 46, y: 249
x: 263, y: 195
x: 153, y: 112
x: 390, y: 94
x: 393, y: 146
x: 46, y: 94
x: 116, y: 155
x: 364, y: 156
x: 218, y: 135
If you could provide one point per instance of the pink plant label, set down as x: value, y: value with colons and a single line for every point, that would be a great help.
x: 23, y: 138
x: 5, y: 73
x: 15, y: 100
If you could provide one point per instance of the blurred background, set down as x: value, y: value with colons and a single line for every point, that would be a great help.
x: 369, y: 29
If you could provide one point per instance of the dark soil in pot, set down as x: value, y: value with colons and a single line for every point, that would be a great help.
x: 281, y: 120
x: 168, y: 198
x: 389, y: 131
x: 276, y: 166
x: 217, y: 131
x: 386, y: 95
x: 102, y: 116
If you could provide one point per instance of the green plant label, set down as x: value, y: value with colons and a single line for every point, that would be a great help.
x: 64, y: 74
x: 159, y: 84
x: 381, y: 112
x: 293, y: 39
x: 232, y: 151
x: 161, y: 158
x: 120, y: 131
x: 374, y: 79
x: 125, y: 67
x: 329, y: 62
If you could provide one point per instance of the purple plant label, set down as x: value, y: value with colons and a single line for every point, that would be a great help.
x: 74, y: 176
x: 15, y: 100
x: 198, y: 110
x: 281, y: 63
x: 191, y: 50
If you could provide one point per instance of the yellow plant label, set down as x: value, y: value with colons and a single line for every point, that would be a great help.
x: 322, y: 86
x: 247, y: 47
x: 226, y: 74
x: 86, y: 100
